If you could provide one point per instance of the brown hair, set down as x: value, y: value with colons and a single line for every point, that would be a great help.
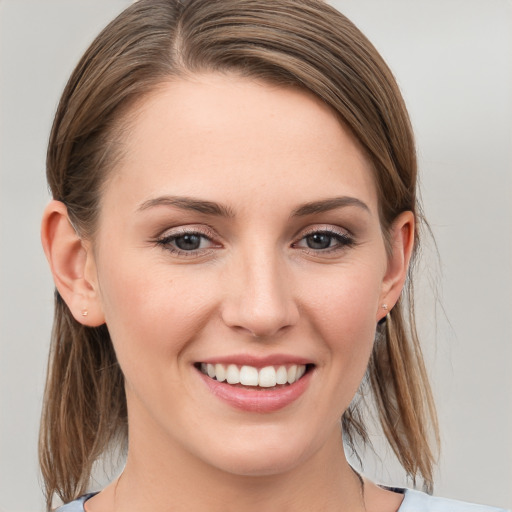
x: 299, y: 43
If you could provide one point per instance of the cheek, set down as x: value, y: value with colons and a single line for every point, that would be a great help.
x: 345, y: 301
x: 343, y: 314
x: 151, y: 314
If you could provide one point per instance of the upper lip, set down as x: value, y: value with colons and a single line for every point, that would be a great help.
x: 257, y: 361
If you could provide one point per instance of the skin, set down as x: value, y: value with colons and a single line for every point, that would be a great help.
x: 254, y: 286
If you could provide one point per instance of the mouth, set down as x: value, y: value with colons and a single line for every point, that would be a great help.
x: 266, y: 378
x: 257, y: 384
x: 263, y: 388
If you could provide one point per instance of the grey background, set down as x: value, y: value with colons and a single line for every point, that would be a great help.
x: 453, y: 60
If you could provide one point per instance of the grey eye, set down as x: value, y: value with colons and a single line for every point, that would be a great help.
x: 319, y: 241
x: 189, y: 242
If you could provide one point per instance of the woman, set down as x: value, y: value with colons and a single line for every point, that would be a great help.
x: 234, y: 216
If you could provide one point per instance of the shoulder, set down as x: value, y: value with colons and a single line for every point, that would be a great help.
x: 416, y: 501
x: 77, y: 505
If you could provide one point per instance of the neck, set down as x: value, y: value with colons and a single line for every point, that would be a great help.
x: 156, y: 480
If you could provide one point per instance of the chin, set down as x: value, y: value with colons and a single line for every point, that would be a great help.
x: 260, y: 465
x: 262, y: 457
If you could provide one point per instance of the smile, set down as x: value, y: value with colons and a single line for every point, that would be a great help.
x: 265, y: 386
x: 267, y: 377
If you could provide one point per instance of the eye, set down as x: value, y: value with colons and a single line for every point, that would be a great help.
x: 186, y: 242
x: 319, y: 240
x: 325, y: 240
x: 189, y: 242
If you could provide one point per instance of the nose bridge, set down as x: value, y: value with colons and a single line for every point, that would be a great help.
x: 260, y: 297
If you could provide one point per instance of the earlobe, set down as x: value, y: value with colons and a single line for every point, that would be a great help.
x: 402, y: 244
x: 69, y: 258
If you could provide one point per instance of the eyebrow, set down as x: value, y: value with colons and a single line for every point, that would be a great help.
x: 216, y: 209
x: 188, y: 203
x: 329, y: 204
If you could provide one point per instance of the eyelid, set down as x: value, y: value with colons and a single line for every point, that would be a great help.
x: 164, y: 240
x: 188, y: 229
x: 325, y: 228
x: 348, y: 239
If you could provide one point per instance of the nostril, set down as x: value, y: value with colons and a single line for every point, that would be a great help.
x: 261, y: 329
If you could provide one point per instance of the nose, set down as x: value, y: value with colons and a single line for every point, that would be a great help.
x: 259, y: 296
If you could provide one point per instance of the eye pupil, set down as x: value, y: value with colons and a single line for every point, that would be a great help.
x: 319, y: 241
x: 188, y: 242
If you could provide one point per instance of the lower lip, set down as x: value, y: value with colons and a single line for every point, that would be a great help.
x: 258, y: 400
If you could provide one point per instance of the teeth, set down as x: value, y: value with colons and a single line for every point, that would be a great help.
x: 281, y: 375
x: 232, y: 374
x: 267, y: 377
x: 291, y: 374
x: 220, y: 372
x: 248, y: 376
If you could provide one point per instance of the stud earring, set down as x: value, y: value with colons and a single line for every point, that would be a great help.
x: 85, y: 312
x: 383, y: 320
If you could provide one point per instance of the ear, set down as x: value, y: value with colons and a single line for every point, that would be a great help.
x: 72, y: 264
x: 402, y: 244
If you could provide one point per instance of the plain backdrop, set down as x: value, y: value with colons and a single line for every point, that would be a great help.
x: 453, y: 61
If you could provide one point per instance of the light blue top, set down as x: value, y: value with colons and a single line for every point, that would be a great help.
x: 414, y: 501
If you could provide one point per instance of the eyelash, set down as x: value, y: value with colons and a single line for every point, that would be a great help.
x: 166, y: 242
x: 343, y: 239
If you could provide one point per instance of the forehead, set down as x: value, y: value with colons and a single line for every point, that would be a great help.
x: 217, y: 135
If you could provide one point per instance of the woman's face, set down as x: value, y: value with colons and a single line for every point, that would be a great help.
x: 240, y: 236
